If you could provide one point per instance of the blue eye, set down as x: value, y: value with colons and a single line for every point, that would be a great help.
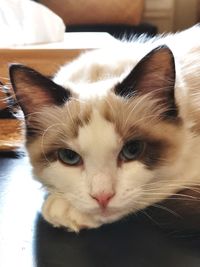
x: 69, y: 157
x: 132, y: 150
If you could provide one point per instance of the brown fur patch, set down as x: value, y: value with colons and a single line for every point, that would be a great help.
x: 33, y: 90
x: 53, y: 128
x: 133, y: 119
x: 141, y: 118
x: 155, y: 75
x: 67, y: 119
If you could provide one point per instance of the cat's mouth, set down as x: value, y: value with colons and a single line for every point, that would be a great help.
x: 109, y: 215
x: 107, y: 212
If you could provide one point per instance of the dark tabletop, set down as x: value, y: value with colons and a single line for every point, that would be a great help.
x: 26, y: 240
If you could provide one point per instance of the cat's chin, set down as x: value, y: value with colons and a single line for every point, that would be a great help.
x: 106, y: 216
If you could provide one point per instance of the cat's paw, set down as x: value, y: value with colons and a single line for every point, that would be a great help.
x: 60, y: 213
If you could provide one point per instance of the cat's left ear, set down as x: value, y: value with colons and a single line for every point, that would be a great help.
x: 153, y: 75
x: 35, y: 91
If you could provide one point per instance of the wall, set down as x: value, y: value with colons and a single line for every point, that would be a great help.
x: 171, y: 15
x: 186, y: 13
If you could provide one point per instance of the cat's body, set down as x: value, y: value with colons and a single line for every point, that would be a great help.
x: 132, y: 123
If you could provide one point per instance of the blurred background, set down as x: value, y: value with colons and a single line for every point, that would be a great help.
x: 128, y: 16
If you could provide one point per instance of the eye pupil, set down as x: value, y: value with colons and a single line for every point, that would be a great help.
x: 69, y: 157
x: 132, y: 150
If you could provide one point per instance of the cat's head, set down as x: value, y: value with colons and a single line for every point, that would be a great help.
x: 109, y: 155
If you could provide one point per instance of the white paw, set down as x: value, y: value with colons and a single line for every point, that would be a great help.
x: 59, y: 212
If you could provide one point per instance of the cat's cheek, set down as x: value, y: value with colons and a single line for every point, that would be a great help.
x: 134, y: 174
x: 132, y: 178
x: 68, y: 181
x: 60, y: 177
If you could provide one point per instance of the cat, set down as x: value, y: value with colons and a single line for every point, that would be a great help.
x: 116, y: 130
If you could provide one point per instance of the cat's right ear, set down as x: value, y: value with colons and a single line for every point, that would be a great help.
x: 35, y: 91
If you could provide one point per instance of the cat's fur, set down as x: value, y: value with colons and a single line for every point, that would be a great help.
x: 105, y: 98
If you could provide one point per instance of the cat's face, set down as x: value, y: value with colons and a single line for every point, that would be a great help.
x: 108, y: 156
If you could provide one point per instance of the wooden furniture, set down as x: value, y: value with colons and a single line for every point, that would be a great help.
x: 88, y: 12
x: 171, y: 15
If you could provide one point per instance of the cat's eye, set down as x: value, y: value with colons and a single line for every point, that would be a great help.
x: 69, y: 157
x: 132, y: 150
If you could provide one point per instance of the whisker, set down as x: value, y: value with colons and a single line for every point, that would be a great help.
x: 170, y: 183
x: 141, y: 99
x: 71, y: 118
x: 43, y: 137
x: 149, y: 216
x: 111, y: 107
x: 78, y: 100
x: 166, y: 209
x: 186, y: 198
x: 159, y: 207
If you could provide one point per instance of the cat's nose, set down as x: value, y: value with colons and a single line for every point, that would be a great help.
x: 103, y: 198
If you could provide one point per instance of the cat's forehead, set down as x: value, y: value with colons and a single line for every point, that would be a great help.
x: 127, y: 118
x: 98, y: 134
x: 91, y: 89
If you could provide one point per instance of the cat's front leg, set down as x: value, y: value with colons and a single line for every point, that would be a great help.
x: 60, y: 213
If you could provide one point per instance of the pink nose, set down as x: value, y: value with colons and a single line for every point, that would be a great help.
x: 103, y: 198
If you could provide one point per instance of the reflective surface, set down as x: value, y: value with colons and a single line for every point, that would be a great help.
x: 26, y: 240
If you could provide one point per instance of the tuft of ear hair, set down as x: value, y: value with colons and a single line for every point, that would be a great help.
x: 35, y: 91
x: 153, y: 75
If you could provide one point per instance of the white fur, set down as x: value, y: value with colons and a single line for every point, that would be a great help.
x: 95, y: 73
x: 99, y: 146
x: 116, y: 62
